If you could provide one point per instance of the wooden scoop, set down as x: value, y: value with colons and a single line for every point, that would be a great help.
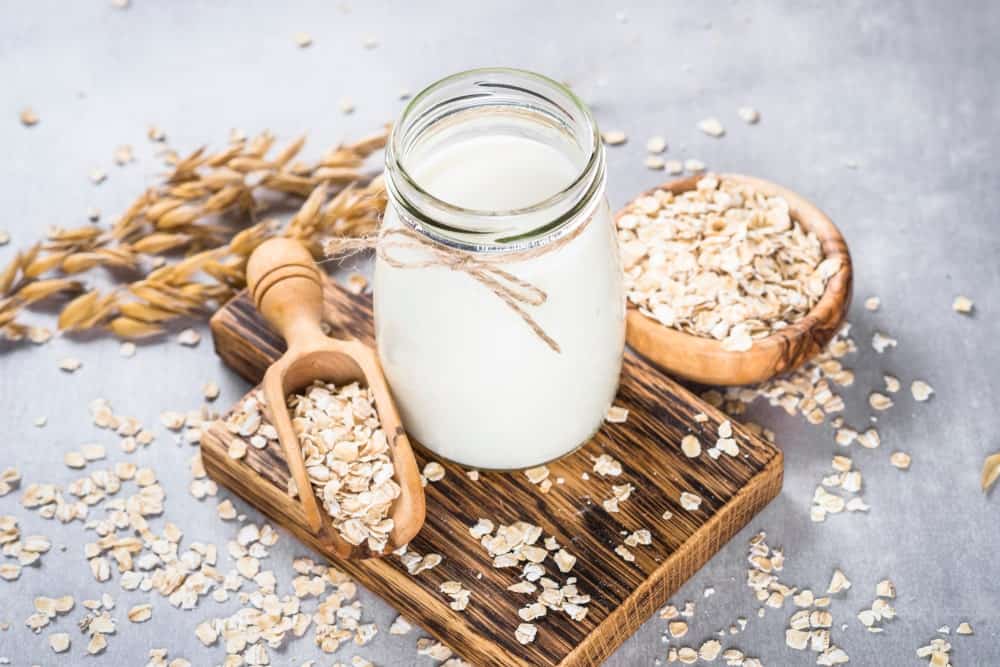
x: 284, y: 283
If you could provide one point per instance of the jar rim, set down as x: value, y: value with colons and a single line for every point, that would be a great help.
x: 404, y: 189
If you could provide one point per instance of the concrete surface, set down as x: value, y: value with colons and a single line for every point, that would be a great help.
x: 906, y: 90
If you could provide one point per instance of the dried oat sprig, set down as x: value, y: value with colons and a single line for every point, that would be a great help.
x: 991, y: 471
x: 205, y: 209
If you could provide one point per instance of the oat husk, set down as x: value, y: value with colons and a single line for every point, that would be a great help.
x: 991, y: 471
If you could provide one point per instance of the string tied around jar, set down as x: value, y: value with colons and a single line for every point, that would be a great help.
x: 518, y: 294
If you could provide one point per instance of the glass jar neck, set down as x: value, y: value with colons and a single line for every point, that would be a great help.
x: 495, y: 102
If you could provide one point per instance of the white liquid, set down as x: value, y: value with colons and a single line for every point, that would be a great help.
x: 473, y: 382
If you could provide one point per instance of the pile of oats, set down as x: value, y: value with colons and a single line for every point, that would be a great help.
x: 721, y: 261
x: 346, y: 455
x: 515, y: 546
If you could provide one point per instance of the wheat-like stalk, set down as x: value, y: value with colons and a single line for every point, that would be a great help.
x: 204, y: 211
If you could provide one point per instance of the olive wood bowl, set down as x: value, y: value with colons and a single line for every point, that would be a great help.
x: 703, y: 359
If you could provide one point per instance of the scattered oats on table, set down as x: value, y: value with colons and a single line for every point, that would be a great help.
x: 616, y: 415
x: 140, y: 613
x: 400, y: 626
x: 356, y: 283
x: 303, y: 39
x: 210, y: 391
x: 838, y: 582
x: 938, y: 651
x: 674, y: 167
x: 614, y: 137
x: 882, y: 342
x: 433, y: 649
x: 70, y: 364
x: 748, y: 115
x: 656, y: 144
x: 59, y: 642
x: 525, y: 633
x: 28, y: 117
x: 154, y: 133
x: 654, y: 162
x: 900, y: 459
x: 10, y: 479
x: 538, y: 474
x: 721, y: 261
x: 98, y: 176
x: 921, y: 390
x: 226, y: 510
x: 712, y: 127
x: 690, y: 446
x: 123, y: 155
x: 4, y: 237
x: 459, y: 595
x: 694, y: 165
x: 690, y: 501
x: 879, y: 401
x: 606, y: 465
x: 74, y: 460
x: 37, y: 335
x: 872, y: 303
x: 189, y: 337
x: 963, y: 305
x: 433, y: 471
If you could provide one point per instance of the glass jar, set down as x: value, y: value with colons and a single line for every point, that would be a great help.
x: 499, y: 175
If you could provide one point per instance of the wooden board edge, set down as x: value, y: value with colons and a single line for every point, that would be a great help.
x: 222, y: 324
x: 223, y: 470
x: 692, y: 555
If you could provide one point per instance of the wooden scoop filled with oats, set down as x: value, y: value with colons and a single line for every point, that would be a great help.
x: 349, y: 458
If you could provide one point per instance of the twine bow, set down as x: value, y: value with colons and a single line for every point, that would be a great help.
x: 513, y: 291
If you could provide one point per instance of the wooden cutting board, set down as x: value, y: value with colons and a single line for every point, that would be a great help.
x: 624, y: 594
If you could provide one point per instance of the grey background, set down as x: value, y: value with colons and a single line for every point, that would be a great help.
x: 907, y: 90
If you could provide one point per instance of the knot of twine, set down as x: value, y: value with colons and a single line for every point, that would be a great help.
x: 513, y: 291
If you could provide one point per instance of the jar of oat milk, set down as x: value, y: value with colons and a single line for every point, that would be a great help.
x: 499, y: 306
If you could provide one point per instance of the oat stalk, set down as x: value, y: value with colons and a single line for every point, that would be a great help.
x: 183, y: 244
x: 991, y: 471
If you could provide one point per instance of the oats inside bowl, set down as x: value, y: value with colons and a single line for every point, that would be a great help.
x: 721, y: 261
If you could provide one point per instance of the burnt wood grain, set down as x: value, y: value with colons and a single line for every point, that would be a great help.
x: 624, y: 594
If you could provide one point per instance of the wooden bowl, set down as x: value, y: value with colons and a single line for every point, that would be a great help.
x: 703, y: 359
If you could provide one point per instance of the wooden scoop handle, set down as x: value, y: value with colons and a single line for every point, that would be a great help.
x: 285, y: 286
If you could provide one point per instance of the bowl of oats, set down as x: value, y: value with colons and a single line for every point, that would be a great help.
x: 731, y: 279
